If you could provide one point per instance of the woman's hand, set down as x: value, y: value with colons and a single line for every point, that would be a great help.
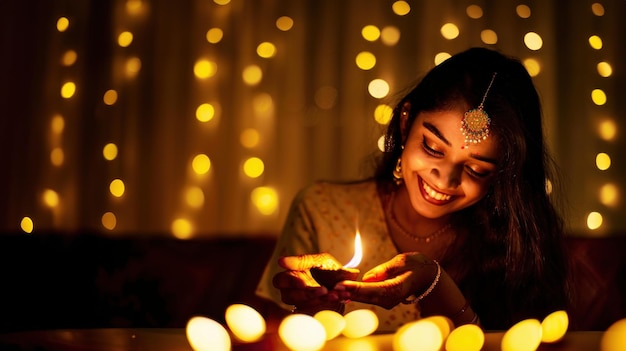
x: 297, y: 286
x: 392, y: 282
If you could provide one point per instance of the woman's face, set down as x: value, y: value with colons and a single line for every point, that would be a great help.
x: 442, y: 174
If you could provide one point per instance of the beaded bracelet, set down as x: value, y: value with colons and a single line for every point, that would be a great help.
x: 416, y: 299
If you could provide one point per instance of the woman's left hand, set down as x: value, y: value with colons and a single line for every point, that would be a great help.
x: 392, y: 282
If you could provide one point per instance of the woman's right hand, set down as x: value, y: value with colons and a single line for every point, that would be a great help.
x: 298, y: 288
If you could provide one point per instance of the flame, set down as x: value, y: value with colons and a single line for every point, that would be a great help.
x: 358, y: 252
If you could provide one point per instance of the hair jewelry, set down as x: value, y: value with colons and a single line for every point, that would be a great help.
x: 476, y: 122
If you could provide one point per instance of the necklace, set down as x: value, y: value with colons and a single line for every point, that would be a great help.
x: 407, y: 233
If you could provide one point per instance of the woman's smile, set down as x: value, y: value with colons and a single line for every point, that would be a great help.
x: 433, y: 196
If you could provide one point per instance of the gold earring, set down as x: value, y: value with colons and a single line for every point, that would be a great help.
x: 397, y: 172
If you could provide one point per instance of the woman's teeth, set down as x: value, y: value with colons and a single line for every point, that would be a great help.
x: 434, y: 194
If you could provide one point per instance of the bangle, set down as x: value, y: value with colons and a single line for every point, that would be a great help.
x: 414, y: 299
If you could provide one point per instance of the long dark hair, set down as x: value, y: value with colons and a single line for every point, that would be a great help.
x: 513, y: 265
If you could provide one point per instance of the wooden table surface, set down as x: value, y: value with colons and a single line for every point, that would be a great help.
x: 176, y: 340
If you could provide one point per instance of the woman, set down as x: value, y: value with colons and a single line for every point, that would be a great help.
x: 456, y: 221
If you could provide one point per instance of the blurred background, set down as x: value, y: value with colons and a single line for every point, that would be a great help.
x: 203, y: 118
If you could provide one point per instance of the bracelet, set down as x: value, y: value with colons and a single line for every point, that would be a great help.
x: 461, y: 311
x: 294, y: 309
x: 428, y: 291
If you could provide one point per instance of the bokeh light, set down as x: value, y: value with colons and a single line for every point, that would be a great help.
x: 50, y: 198
x: 63, y: 24
x: 423, y: 335
x: 609, y: 195
x: 595, y: 42
x: 253, y: 167
x: 370, y: 33
x: 132, y: 67
x: 401, y: 8
x: 117, y: 187
x: 441, y: 57
x: 365, y: 60
x: 109, y: 151
x: 554, y: 326
x: 110, y: 97
x: 450, y: 31
x: 125, y: 39
x: 284, y: 23
x: 474, y: 11
x: 594, y: 220
x: 109, y: 220
x: 57, y: 157
x: 489, y: 37
x: 598, y: 97
x: 265, y: 199
x: 68, y: 90
x: 252, y: 75
x: 523, y: 11
x: 266, y: 50
x: 383, y: 114
x: 603, y: 161
x: 301, y: 332
x: 378, y: 88
x: 250, y: 138
x: 245, y: 322
x: 182, y: 228
x: 467, y: 337
x: 607, y: 129
x: 204, y: 69
x: 604, y: 69
x: 533, y: 41
x: 613, y: 337
x: 214, y: 35
x: 205, y: 334
x: 523, y: 336
x: 27, y: 225
x: 205, y: 112
x: 597, y: 9
x: 194, y: 197
x: 69, y: 58
x: 333, y: 322
x: 532, y: 66
x: 390, y: 35
x: 360, y: 323
x: 201, y: 164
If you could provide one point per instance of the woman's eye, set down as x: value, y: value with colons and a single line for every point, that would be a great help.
x: 430, y: 150
x: 476, y: 173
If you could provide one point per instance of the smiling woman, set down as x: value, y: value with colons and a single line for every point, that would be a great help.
x: 456, y: 219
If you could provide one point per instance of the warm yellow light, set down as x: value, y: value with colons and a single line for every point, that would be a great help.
x: 301, y: 332
x: 598, y: 97
x: 523, y: 11
x: 201, y: 164
x: 265, y: 199
x: 554, y: 326
x: 548, y: 187
x: 222, y: 2
x: 125, y: 39
x: 360, y: 323
x: 595, y: 42
x: 214, y: 35
x: 50, y: 198
x: 332, y: 322
x: 474, y: 11
x: 603, y: 161
x: 401, y: 8
x: 381, y: 143
x: 117, y: 187
x: 205, y: 112
x: 533, y: 41
x: 449, y: 31
x: 68, y: 90
x: 383, y: 113
x: 597, y: 9
x: 252, y: 75
x: 358, y: 252
x: 467, y: 337
x: 532, y: 66
x: 182, y: 228
x: 594, y: 220
x: 607, y: 129
x: 489, y: 36
x: 253, y: 167
x: 390, y: 35
x: 249, y: 138
x: 57, y: 156
x: 110, y: 97
x: 245, y: 322
x: 134, y: 7
x: 284, y: 23
x: 441, y: 57
x: 204, y: 334
x: 444, y: 324
x: 204, y: 69
x: 613, y: 338
x: 27, y: 225
x: 423, y: 335
x: 523, y: 336
x: 133, y: 66
x: 370, y: 33
x: 69, y: 58
x: 57, y: 124
x: 266, y: 50
x: 194, y: 196
x: 378, y: 88
x: 604, y: 69
x: 263, y: 105
x: 609, y: 195
x: 109, y: 221
x: 365, y: 60
x: 109, y: 151
x: 62, y: 24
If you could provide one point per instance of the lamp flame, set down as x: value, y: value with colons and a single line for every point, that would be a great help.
x: 358, y: 252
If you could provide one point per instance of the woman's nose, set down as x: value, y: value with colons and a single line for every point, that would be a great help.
x: 447, y: 176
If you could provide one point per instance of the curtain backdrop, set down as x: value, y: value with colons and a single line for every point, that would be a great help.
x: 172, y: 98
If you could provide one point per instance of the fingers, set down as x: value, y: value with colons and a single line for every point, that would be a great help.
x: 305, y: 262
x: 387, y: 293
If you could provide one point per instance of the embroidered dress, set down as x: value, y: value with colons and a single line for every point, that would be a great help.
x: 324, y: 217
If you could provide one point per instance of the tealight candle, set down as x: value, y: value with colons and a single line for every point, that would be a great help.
x: 332, y: 321
x: 422, y: 335
x: 245, y: 322
x: 360, y: 323
x: 554, y: 326
x: 205, y: 334
x: 302, y: 332
x: 523, y: 336
x: 444, y: 324
x: 467, y: 337
x: 613, y: 338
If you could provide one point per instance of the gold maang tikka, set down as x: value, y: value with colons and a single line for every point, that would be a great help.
x: 476, y: 122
